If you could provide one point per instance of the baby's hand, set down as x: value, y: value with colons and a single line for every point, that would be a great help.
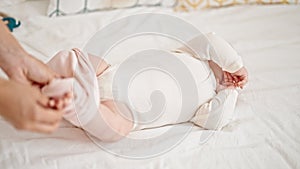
x: 221, y: 85
x: 238, y: 78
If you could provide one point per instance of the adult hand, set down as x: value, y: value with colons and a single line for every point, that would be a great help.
x: 23, y: 105
x: 26, y: 108
x: 18, y: 64
x: 28, y: 70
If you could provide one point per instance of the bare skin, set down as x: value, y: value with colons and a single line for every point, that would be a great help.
x: 240, y: 77
x: 27, y: 113
x: 21, y: 102
x: 229, y: 80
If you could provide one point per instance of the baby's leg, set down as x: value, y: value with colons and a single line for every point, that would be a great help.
x: 113, y: 122
x: 99, y: 64
x: 114, y: 119
x: 118, y: 117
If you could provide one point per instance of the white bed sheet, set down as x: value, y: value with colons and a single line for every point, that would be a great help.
x: 265, y: 133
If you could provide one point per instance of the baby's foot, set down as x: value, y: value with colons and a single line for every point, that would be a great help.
x: 60, y: 102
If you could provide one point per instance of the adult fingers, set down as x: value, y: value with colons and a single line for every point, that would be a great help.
x: 60, y: 103
x: 47, y: 115
x: 43, y: 128
x: 18, y: 76
x: 47, y: 102
x: 38, y: 72
x: 37, y: 126
x: 44, y: 100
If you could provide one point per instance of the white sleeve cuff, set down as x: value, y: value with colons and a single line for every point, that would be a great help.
x: 235, y: 66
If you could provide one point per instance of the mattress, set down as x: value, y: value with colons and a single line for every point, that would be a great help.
x: 264, y: 134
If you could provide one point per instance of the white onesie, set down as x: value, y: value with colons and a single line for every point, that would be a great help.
x: 213, y: 111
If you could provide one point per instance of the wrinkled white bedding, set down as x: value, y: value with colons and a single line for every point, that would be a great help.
x: 265, y: 133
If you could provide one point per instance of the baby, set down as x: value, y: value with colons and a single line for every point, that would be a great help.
x: 216, y: 67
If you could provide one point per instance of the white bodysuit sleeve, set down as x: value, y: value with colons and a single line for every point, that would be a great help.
x: 218, y: 112
x: 212, y: 47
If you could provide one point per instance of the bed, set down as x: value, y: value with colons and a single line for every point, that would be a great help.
x: 264, y: 134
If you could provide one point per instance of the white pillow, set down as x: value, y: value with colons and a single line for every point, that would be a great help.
x: 94, y: 4
x: 4, y: 3
x: 64, y: 7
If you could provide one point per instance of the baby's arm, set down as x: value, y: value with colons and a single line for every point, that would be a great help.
x: 210, y: 47
x: 224, y: 62
x: 223, y: 79
x: 218, y: 112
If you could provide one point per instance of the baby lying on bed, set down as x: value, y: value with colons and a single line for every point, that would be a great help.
x: 217, y: 74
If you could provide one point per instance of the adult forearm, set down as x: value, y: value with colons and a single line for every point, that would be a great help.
x: 10, y: 50
x: 2, y: 83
